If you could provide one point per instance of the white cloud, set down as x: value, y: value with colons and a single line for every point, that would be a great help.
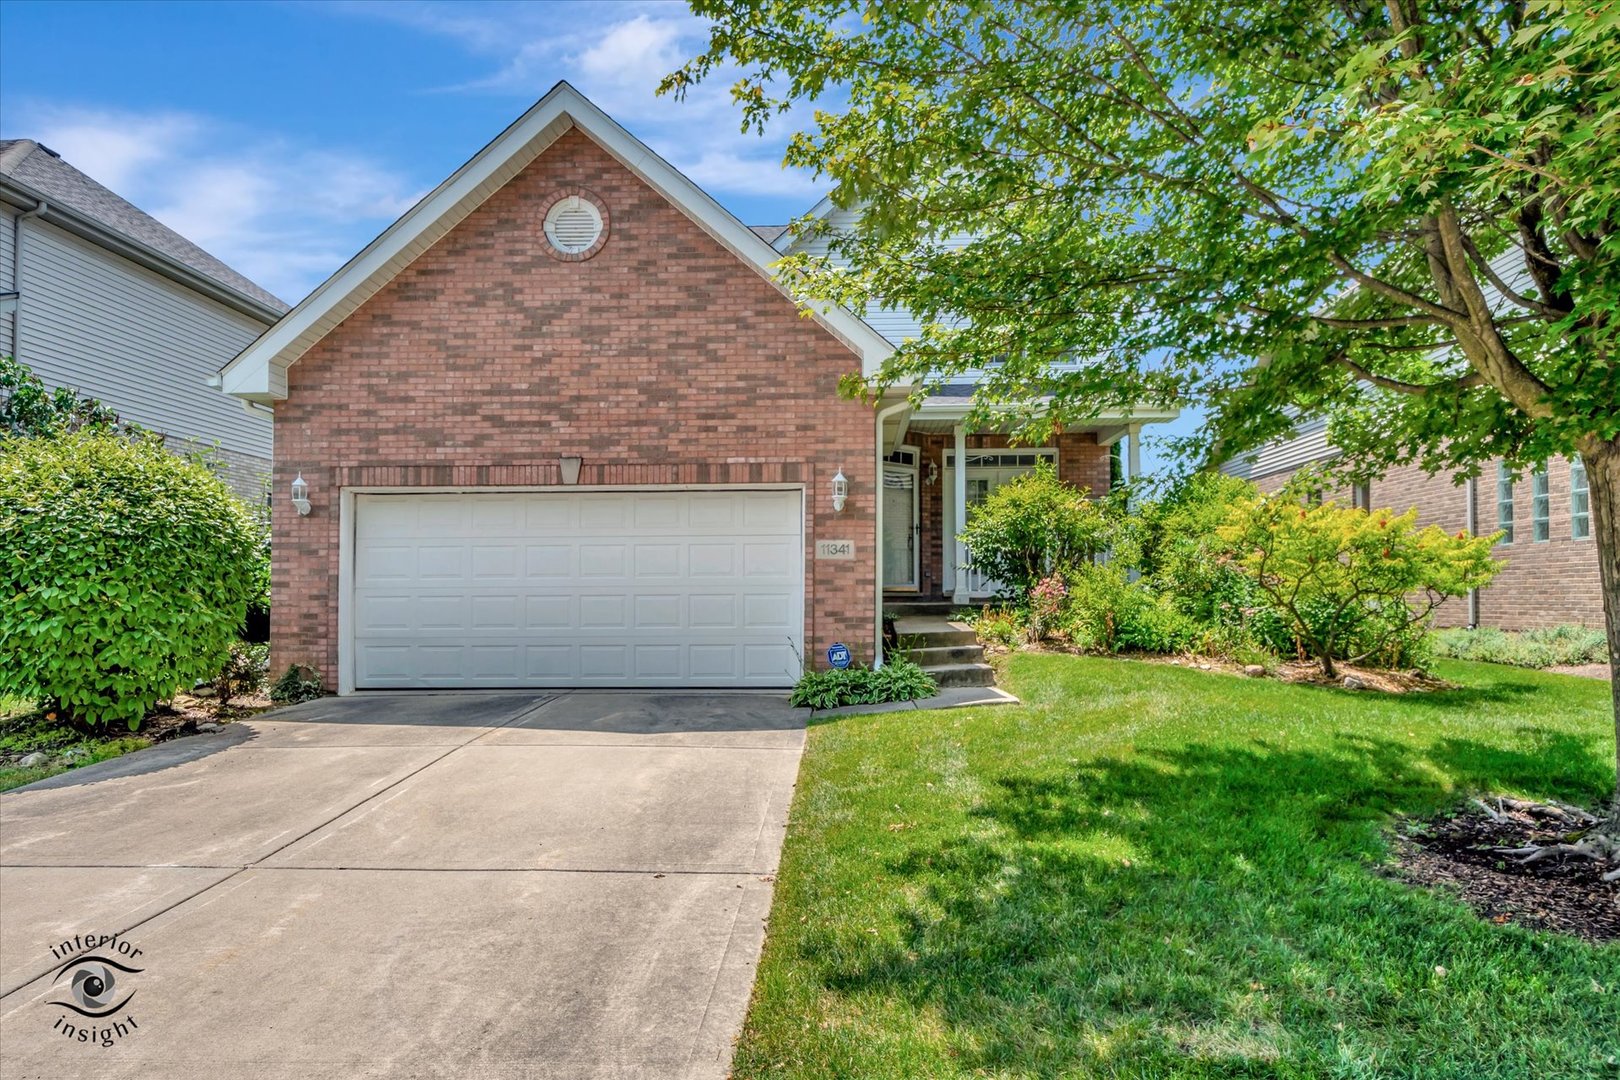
x: 632, y: 50
x: 244, y: 197
x: 616, y: 54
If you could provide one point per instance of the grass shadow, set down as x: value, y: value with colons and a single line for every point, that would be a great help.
x: 1216, y: 909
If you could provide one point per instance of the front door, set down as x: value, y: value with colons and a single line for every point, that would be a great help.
x: 900, y: 562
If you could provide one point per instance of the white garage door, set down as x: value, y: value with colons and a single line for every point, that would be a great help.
x: 611, y: 588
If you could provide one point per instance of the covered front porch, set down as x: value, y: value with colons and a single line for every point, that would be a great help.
x: 926, y: 495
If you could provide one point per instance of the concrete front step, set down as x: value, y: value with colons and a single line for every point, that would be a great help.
x: 946, y: 654
x: 927, y: 632
x: 963, y: 675
x: 902, y: 609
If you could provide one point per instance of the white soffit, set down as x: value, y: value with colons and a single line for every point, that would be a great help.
x: 259, y: 372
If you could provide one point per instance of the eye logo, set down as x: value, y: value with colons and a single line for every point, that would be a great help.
x: 94, y: 986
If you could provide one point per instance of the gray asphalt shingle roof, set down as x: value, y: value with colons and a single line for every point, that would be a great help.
x: 39, y: 169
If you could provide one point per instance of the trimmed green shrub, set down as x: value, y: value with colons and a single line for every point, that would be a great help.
x: 897, y: 680
x: 297, y: 684
x: 1108, y: 612
x: 1538, y: 648
x: 1032, y: 526
x: 123, y: 568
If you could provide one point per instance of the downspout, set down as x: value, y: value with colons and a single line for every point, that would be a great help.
x: 16, y: 275
x: 877, y: 530
x: 1470, y: 486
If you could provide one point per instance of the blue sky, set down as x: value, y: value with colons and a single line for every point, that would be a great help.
x: 283, y: 137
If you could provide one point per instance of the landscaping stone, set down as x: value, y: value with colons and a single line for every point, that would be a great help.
x: 1254, y: 671
x: 208, y: 728
x: 1352, y: 682
x: 30, y: 760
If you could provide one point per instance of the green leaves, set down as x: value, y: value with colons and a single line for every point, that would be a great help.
x: 1129, y: 204
x: 1032, y: 526
x: 129, y: 571
x: 899, y: 679
x: 1336, y: 570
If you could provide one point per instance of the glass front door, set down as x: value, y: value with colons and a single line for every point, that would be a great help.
x: 899, y: 527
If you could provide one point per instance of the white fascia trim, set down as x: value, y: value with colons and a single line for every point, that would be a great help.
x: 784, y: 243
x: 954, y: 411
x: 258, y: 373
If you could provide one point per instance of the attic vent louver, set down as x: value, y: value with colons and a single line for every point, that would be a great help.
x: 573, y: 225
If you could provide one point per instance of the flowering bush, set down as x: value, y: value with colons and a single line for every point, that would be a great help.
x: 1045, y: 605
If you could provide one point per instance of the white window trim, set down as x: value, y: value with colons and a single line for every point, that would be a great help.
x: 1540, y: 505
x: 1580, y: 521
x: 1504, y: 486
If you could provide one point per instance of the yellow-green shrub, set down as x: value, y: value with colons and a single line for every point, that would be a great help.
x: 1343, y: 575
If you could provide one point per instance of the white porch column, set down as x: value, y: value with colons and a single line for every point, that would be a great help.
x: 1133, y: 448
x: 959, y: 503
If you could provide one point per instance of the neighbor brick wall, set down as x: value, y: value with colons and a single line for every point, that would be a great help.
x: 1081, y: 461
x: 1546, y: 583
x: 663, y: 359
x: 245, y: 474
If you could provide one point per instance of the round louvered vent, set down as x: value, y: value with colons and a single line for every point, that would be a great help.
x: 573, y: 225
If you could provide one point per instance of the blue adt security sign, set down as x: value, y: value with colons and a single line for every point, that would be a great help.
x: 838, y: 654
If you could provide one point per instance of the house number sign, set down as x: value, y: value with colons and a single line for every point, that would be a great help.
x: 835, y: 549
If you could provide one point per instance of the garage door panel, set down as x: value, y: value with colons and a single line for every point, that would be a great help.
x: 549, y: 612
x: 602, y: 558
x: 712, y: 560
x: 549, y: 561
x: 578, y: 589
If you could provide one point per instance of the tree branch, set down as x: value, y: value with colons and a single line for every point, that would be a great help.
x: 1464, y: 382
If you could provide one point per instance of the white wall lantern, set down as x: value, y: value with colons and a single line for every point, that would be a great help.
x: 840, y: 492
x: 570, y: 469
x: 300, y: 495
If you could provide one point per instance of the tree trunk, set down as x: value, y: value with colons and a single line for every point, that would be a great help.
x: 1603, y: 482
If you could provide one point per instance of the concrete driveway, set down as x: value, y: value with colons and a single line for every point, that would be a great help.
x: 468, y: 885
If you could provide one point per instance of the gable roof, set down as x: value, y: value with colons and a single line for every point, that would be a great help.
x: 39, y: 173
x: 259, y: 372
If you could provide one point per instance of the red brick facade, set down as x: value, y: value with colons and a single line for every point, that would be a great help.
x: 1081, y: 461
x: 659, y: 359
x: 1545, y: 583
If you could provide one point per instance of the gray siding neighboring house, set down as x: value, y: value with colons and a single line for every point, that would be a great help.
x: 101, y: 297
x: 1307, y: 445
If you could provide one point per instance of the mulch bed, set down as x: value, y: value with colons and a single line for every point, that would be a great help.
x: 1562, y: 893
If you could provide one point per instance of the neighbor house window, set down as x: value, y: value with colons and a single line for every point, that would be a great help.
x: 1504, y: 501
x: 1540, y: 504
x: 1361, y: 496
x: 1580, y: 501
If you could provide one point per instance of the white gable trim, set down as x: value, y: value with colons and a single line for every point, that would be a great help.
x: 259, y: 372
x: 788, y: 240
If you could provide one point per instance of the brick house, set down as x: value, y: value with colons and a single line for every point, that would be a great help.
x: 1545, y: 515
x: 560, y: 426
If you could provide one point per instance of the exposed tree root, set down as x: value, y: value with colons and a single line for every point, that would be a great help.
x: 1587, y: 837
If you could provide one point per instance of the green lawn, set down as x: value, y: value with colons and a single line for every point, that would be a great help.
x: 1148, y: 871
x: 24, y: 729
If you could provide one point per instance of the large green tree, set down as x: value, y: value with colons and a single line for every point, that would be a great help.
x: 1404, y: 214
